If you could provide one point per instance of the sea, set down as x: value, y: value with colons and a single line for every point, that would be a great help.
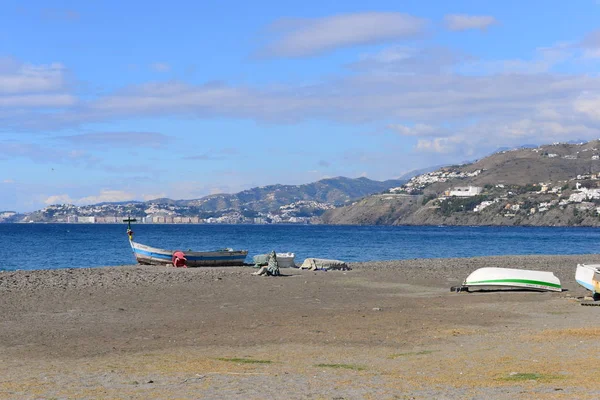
x: 50, y: 246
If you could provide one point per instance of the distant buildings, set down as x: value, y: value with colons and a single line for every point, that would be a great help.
x: 418, y: 183
x: 464, y: 191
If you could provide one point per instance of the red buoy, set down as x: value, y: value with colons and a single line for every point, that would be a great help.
x: 179, y: 259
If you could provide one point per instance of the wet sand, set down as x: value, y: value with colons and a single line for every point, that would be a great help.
x: 383, y: 330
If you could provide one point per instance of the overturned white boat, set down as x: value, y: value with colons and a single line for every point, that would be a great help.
x: 588, y: 276
x: 314, y: 264
x: 509, y: 278
x: 284, y: 260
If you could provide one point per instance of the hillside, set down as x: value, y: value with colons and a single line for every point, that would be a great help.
x: 551, y: 185
x: 274, y: 203
x: 334, y: 191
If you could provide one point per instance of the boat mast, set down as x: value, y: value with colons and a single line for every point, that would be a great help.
x: 129, y: 220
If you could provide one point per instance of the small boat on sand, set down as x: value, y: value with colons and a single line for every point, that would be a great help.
x: 284, y: 260
x: 154, y: 256
x: 588, y: 276
x: 323, y: 264
x: 509, y: 278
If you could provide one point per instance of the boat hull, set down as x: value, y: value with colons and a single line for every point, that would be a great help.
x: 588, y: 276
x: 154, y: 256
x: 286, y: 260
x: 508, y: 278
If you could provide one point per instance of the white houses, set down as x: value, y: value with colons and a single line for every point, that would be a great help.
x: 464, y: 191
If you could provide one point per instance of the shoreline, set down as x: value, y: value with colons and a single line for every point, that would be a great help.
x: 382, y: 329
x: 527, y: 259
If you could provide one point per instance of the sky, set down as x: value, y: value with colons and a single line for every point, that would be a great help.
x: 136, y: 100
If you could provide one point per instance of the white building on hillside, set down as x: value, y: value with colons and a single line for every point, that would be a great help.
x: 464, y: 191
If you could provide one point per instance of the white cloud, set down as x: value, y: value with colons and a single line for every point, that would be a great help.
x: 16, y: 77
x: 438, y: 145
x: 59, y: 199
x: 543, y: 60
x: 356, y: 98
x: 486, y: 136
x: 118, y: 139
x: 591, y: 53
x: 411, y: 60
x: 24, y: 86
x: 8, y: 181
x: 589, y: 104
x: 107, y: 196
x: 463, y: 22
x: 214, y: 154
x: 416, y: 130
x: 40, y: 154
x: 367, y: 97
x: 452, y: 110
x: 307, y: 37
x: 38, y: 101
x: 147, y: 197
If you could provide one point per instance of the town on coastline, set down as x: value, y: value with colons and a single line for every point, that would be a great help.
x: 157, y: 213
x: 550, y: 185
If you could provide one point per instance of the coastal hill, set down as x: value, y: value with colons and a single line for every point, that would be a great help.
x: 549, y: 185
x: 332, y: 191
x: 273, y: 203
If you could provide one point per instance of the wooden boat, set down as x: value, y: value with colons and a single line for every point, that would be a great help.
x: 153, y: 256
x: 588, y: 276
x: 509, y: 278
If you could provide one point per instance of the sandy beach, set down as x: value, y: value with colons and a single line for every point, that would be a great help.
x: 384, y: 330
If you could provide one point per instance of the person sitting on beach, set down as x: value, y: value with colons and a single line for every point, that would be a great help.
x: 271, y: 269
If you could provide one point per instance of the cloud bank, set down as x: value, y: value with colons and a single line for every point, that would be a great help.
x: 463, y: 22
x: 117, y: 139
x: 28, y: 86
x: 447, y: 101
x: 308, y: 37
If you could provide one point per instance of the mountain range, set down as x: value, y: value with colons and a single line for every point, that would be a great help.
x: 557, y: 184
x: 296, y: 201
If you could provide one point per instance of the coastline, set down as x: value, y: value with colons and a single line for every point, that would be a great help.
x: 383, y: 329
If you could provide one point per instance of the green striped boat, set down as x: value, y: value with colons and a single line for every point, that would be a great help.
x: 509, y: 278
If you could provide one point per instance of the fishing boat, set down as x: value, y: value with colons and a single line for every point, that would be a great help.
x: 154, y: 256
x: 588, y: 276
x: 509, y: 278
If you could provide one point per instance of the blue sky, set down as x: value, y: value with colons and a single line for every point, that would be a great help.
x: 114, y: 101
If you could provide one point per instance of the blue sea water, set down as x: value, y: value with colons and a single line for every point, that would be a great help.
x: 48, y: 246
